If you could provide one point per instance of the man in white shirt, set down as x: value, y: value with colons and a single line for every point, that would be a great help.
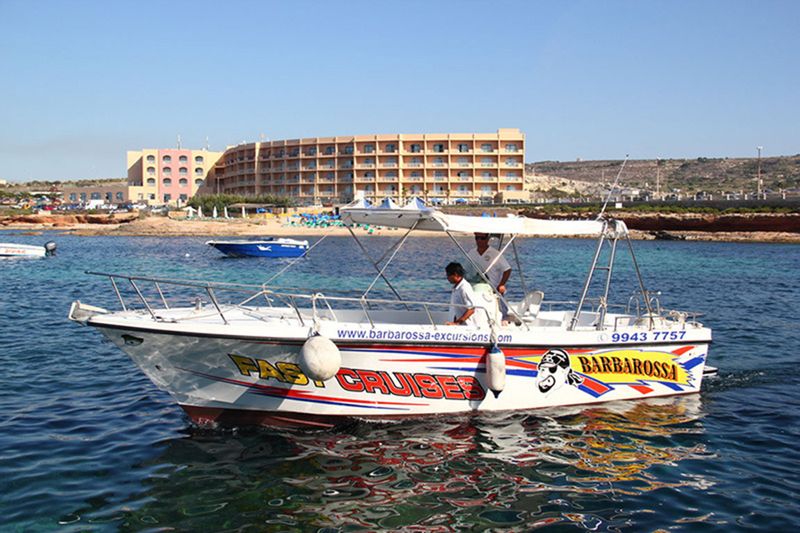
x: 493, y: 265
x: 463, y: 304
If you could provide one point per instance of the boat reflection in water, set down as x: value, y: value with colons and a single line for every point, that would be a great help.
x: 591, y: 466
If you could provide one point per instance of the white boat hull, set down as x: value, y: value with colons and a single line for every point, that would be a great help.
x: 21, y: 250
x: 224, y: 374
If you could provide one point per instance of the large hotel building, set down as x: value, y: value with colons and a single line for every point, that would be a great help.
x: 440, y: 168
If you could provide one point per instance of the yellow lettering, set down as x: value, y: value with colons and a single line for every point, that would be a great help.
x: 266, y: 371
x: 244, y: 364
x: 292, y: 373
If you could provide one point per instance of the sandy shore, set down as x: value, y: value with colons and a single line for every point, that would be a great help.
x: 163, y: 226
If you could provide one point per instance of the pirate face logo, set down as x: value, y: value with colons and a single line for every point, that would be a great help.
x: 554, y: 371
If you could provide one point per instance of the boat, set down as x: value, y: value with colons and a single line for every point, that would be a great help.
x: 27, y: 250
x: 271, y: 356
x: 269, y: 247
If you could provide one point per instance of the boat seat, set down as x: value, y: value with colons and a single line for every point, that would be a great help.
x: 529, y: 306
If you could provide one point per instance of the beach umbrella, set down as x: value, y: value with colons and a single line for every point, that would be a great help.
x: 225, y: 212
x: 200, y: 212
x: 244, y: 213
x: 214, y: 213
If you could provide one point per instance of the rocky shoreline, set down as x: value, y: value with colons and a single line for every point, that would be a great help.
x: 761, y: 227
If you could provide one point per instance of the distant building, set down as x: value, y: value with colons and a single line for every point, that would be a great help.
x: 440, y: 168
x: 168, y: 176
x: 113, y: 193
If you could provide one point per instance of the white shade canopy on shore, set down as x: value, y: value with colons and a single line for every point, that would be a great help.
x: 430, y: 219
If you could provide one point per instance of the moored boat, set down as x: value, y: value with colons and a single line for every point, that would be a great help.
x: 269, y: 247
x: 27, y: 250
x: 275, y: 357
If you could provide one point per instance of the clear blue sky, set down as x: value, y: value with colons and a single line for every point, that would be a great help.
x: 84, y: 81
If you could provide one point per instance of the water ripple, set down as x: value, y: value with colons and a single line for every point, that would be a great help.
x: 90, y: 444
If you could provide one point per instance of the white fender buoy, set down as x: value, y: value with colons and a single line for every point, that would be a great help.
x: 320, y: 359
x: 496, y: 370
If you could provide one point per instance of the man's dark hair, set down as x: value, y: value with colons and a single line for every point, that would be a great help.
x: 454, y: 268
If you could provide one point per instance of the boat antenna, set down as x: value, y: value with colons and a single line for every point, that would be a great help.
x: 614, y: 186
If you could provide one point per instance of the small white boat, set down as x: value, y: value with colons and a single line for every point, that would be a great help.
x: 273, y: 357
x: 27, y: 250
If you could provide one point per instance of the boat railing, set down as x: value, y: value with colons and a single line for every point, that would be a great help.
x: 318, y: 302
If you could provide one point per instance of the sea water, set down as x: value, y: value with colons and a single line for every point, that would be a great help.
x: 88, y: 443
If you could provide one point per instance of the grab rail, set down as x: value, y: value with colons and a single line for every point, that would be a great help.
x: 290, y: 299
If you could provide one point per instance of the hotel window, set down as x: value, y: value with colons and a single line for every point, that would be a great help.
x: 391, y: 174
x: 73, y: 197
x: 486, y: 189
x: 369, y: 174
x: 166, y: 159
x: 183, y: 182
x: 183, y: 171
x: 439, y: 174
x: 167, y: 198
x: 166, y: 170
x: 151, y: 159
x: 415, y: 148
x: 152, y: 196
x: 369, y: 148
x: 416, y: 174
x: 198, y: 182
x: 347, y: 149
x: 199, y: 159
x: 198, y: 171
x: 438, y: 148
x: 151, y: 170
x: 95, y: 196
x: 329, y: 150
x: 390, y: 148
x: 511, y: 147
x: 463, y: 174
x: 167, y: 182
x: 463, y: 148
x: 183, y: 159
x: 120, y: 196
x: 83, y: 197
x: 183, y: 198
x: 151, y: 181
x: 486, y: 147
